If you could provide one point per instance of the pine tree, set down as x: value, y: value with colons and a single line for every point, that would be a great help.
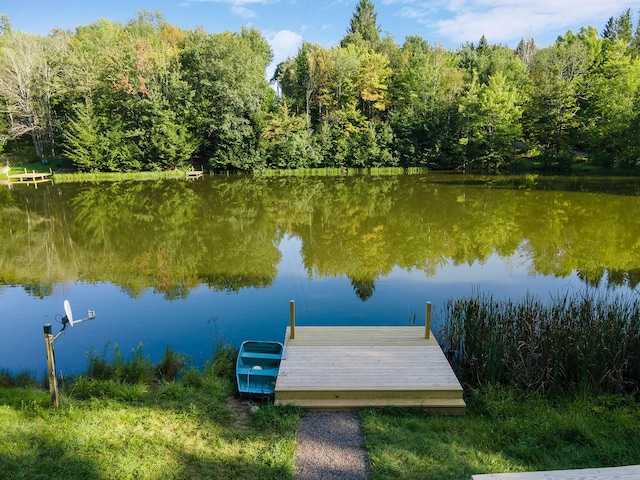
x: 620, y: 28
x: 363, y: 27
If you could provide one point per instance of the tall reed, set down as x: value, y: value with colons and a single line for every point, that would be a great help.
x: 117, y: 176
x: 335, y: 171
x: 580, y: 341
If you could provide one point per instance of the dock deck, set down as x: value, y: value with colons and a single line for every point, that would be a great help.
x: 336, y: 368
x: 30, y: 178
x: 631, y: 472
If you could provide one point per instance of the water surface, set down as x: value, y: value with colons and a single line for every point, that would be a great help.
x: 197, y: 263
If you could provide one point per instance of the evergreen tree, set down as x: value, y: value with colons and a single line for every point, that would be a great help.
x: 620, y: 28
x: 363, y: 27
x: 5, y: 24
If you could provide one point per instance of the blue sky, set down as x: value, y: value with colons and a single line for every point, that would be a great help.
x: 286, y: 23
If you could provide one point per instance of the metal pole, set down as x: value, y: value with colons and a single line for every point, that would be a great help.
x: 427, y: 327
x: 51, y: 364
x: 292, y: 319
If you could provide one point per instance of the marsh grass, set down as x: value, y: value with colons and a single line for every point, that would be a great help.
x: 171, y: 365
x: 116, y: 176
x: 336, y: 172
x: 579, y: 342
x: 20, y: 379
x: 138, y: 369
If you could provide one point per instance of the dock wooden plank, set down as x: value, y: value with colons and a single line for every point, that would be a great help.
x: 30, y: 176
x: 611, y: 473
x: 353, y: 367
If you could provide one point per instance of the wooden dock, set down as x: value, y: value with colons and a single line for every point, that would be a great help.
x: 30, y: 178
x: 631, y: 472
x: 193, y: 174
x: 337, y: 368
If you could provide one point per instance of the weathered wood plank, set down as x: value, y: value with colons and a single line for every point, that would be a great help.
x: 611, y: 473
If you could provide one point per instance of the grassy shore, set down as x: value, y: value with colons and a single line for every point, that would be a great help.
x: 65, y: 172
x: 505, y: 430
x: 136, y: 421
x: 191, y: 428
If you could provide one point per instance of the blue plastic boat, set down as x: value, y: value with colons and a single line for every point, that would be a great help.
x: 257, y: 367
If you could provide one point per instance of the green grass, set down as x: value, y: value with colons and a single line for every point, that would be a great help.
x: 335, y: 171
x: 184, y: 430
x: 505, y: 430
x: 116, y: 176
x: 65, y: 172
x: 123, y: 430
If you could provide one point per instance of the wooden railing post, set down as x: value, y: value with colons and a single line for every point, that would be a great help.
x: 51, y: 366
x: 292, y: 319
x: 427, y: 323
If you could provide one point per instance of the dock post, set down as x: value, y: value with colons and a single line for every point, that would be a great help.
x: 51, y: 364
x: 427, y: 323
x: 292, y: 319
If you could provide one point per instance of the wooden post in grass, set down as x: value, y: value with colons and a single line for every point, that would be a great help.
x: 427, y: 323
x: 292, y: 319
x: 51, y: 365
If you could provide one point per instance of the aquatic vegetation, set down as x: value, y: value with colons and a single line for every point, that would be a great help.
x: 578, y: 342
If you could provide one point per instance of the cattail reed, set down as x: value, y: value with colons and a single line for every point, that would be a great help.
x: 581, y: 342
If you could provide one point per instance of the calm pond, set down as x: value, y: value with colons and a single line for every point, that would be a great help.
x: 197, y: 263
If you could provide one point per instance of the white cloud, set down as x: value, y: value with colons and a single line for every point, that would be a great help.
x: 243, y: 12
x: 233, y: 3
x: 284, y: 44
x: 506, y: 21
x: 237, y: 7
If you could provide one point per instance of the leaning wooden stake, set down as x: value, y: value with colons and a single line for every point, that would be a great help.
x: 51, y: 364
x: 427, y: 323
x: 292, y: 319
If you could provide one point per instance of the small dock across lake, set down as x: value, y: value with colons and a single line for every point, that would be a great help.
x: 31, y: 178
x: 338, y: 368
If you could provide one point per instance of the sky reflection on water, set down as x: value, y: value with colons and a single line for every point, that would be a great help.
x: 198, y: 324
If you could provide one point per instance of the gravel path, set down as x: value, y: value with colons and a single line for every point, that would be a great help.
x: 330, y: 446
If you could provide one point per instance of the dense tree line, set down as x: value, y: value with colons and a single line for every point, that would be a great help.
x: 147, y: 95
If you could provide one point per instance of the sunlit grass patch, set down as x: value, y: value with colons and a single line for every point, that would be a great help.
x: 505, y: 430
x: 337, y: 171
x: 123, y: 428
x: 117, y: 176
